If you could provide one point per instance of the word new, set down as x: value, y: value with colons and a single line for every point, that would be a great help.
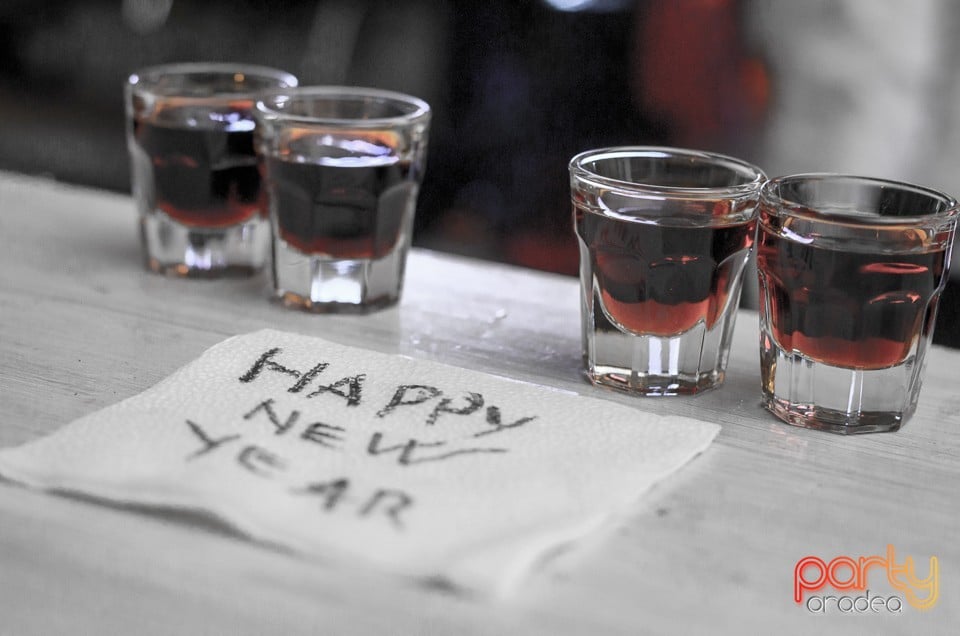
x: 845, y: 573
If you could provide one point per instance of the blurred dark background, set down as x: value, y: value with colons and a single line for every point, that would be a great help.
x: 518, y: 87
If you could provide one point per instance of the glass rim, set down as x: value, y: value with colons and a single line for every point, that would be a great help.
x: 149, y: 76
x: 783, y: 205
x: 755, y: 176
x: 421, y: 109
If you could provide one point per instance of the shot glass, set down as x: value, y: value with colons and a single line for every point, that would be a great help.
x: 664, y: 236
x: 193, y: 167
x: 343, y: 169
x: 850, y: 270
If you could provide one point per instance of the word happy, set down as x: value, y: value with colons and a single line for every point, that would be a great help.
x: 350, y: 388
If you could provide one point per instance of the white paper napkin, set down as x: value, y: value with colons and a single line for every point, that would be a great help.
x: 423, y: 469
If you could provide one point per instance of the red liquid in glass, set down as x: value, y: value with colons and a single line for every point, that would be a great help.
x: 349, y: 206
x: 202, y: 176
x: 847, y: 309
x: 660, y: 279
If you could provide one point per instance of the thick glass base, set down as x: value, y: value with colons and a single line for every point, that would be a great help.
x: 324, y: 284
x: 174, y: 249
x: 811, y: 394
x: 833, y: 421
x: 654, y: 366
x: 654, y: 385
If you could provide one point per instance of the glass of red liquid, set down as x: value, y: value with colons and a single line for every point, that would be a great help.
x: 851, y: 270
x: 194, y: 171
x: 343, y: 168
x: 664, y: 236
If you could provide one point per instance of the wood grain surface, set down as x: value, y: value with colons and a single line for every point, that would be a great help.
x: 710, y: 550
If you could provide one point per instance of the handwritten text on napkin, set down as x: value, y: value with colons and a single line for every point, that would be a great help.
x: 343, y: 453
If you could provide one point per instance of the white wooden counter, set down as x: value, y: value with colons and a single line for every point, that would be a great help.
x: 710, y: 550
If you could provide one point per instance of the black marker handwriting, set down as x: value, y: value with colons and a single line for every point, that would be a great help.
x: 409, y: 448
